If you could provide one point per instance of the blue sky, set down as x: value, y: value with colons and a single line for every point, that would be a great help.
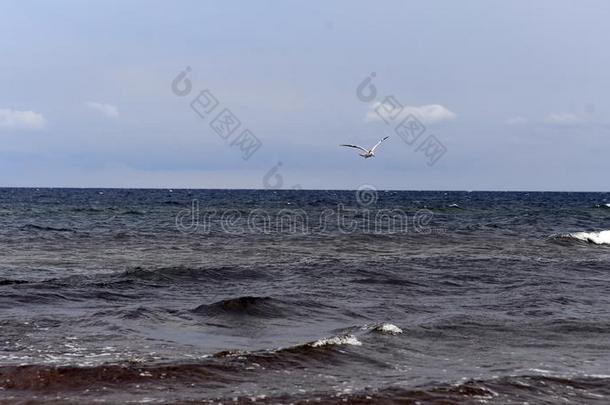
x: 516, y: 93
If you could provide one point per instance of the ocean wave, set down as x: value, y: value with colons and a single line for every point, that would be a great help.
x: 220, y: 368
x: 133, y: 283
x: 253, y: 308
x: 56, y: 378
x: 597, y: 238
x: 337, y: 341
x: 175, y: 203
x: 6, y: 281
x: 134, y: 379
x: 122, y: 236
x: 45, y: 228
x: 388, y: 328
x: 507, y: 390
x: 151, y: 276
x: 384, y: 328
x: 89, y: 209
x: 247, y: 305
x: 186, y: 273
x: 321, y: 351
x: 132, y: 212
x: 156, y: 314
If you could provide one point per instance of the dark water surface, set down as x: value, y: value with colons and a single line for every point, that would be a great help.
x: 296, y: 296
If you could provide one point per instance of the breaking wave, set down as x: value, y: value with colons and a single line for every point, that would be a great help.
x: 388, y: 328
x: 337, y: 341
x: 597, y: 238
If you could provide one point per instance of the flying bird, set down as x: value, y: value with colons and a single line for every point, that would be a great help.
x: 367, y: 153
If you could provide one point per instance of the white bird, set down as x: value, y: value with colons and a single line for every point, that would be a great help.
x: 368, y: 153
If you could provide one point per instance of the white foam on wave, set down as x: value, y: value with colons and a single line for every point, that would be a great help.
x: 337, y: 340
x: 599, y: 238
x: 388, y: 328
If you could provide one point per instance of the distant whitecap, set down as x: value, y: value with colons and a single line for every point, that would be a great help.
x: 599, y: 238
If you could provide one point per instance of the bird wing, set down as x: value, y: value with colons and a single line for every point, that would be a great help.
x: 378, y: 143
x: 357, y: 147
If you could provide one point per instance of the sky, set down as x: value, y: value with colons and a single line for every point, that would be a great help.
x: 474, y: 95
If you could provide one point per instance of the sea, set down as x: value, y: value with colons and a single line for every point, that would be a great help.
x: 128, y: 296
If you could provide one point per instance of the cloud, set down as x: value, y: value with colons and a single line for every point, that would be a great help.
x: 564, y: 118
x: 28, y: 120
x: 427, y: 114
x: 109, y: 110
x: 516, y: 120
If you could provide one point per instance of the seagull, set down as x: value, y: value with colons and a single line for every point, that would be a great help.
x: 368, y: 153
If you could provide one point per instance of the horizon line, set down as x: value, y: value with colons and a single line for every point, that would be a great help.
x: 290, y: 189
